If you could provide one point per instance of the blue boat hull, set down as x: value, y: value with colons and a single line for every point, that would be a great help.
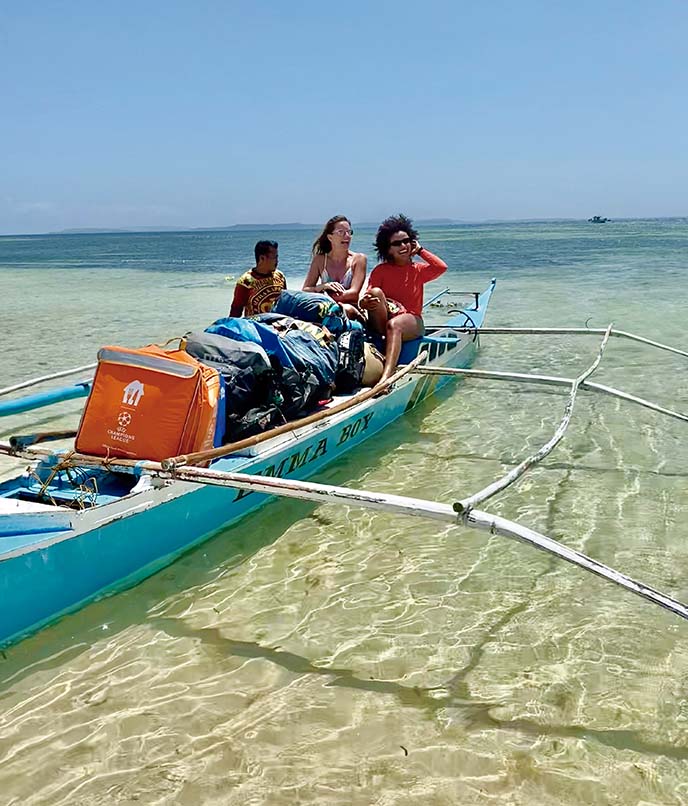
x: 46, y: 573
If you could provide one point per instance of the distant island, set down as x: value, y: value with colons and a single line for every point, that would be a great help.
x: 366, y: 225
x: 428, y: 222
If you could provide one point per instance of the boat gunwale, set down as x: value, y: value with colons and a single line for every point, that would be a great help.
x: 174, y: 488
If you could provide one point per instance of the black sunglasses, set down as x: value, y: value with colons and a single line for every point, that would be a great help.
x: 400, y: 242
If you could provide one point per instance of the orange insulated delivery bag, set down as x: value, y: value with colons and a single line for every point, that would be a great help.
x: 149, y: 404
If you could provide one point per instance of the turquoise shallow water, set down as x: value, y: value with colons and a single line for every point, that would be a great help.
x: 336, y: 656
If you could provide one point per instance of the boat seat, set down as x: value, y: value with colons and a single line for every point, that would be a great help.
x: 409, y: 349
x: 437, y: 345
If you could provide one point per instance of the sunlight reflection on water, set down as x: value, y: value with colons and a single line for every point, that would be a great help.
x: 333, y: 655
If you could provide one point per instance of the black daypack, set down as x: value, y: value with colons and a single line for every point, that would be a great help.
x: 254, y: 421
x: 245, y: 367
x: 351, y: 364
x: 260, y: 392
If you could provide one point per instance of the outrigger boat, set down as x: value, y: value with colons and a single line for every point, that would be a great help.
x: 74, y: 528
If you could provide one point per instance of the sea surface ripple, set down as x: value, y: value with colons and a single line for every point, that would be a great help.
x: 332, y: 655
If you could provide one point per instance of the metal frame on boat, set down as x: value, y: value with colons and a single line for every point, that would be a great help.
x: 76, y: 528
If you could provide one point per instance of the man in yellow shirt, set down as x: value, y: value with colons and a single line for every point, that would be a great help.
x: 257, y: 290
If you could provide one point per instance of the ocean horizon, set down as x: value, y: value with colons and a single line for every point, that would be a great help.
x: 250, y: 227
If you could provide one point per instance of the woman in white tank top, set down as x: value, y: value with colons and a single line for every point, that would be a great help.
x: 335, y: 269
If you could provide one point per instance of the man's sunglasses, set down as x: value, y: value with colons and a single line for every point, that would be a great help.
x: 400, y: 242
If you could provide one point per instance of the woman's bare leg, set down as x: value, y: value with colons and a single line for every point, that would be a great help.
x: 374, y: 302
x: 401, y: 328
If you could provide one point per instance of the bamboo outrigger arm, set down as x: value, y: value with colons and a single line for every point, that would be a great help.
x: 400, y: 505
x: 497, y: 486
x: 569, y: 331
x: 551, y: 380
x: 34, y: 381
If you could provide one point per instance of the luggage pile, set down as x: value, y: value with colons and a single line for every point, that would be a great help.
x: 237, y: 378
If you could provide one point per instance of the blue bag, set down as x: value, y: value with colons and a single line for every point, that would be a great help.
x: 309, y: 355
x: 310, y: 307
x: 247, y: 330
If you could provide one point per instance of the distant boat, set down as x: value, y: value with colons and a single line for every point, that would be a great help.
x: 596, y: 219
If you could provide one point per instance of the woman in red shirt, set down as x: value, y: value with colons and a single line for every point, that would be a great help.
x: 394, y: 297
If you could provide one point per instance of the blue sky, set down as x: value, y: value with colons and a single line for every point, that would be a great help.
x: 214, y: 113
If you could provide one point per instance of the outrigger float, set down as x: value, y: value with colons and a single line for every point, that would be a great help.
x: 75, y: 528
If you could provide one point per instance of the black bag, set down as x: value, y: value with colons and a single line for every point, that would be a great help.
x: 261, y: 392
x: 254, y: 421
x: 245, y: 367
x: 351, y: 364
x: 300, y: 392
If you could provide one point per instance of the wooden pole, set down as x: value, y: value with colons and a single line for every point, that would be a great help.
x: 232, y: 447
x: 69, y: 459
x: 24, y: 441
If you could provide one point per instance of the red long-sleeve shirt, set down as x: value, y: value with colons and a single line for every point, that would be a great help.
x: 404, y: 284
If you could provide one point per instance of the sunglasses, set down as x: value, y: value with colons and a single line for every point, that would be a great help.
x: 342, y: 232
x: 400, y: 242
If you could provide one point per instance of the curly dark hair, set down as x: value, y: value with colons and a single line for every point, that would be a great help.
x: 395, y: 223
x: 322, y: 245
